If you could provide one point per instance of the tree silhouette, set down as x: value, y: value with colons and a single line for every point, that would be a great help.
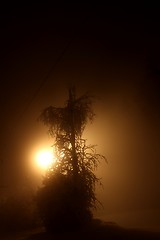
x: 68, y: 195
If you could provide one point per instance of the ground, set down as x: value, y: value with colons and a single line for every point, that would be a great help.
x: 99, y: 231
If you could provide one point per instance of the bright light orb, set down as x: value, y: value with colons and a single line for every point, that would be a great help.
x: 44, y: 159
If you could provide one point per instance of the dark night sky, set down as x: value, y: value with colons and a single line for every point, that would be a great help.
x: 113, y: 53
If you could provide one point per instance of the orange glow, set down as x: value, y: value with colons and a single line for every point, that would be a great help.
x: 44, y: 158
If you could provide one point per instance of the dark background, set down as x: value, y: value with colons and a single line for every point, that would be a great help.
x: 112, y: 52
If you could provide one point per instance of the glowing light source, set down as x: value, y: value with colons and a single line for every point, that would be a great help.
x: 44, y: 158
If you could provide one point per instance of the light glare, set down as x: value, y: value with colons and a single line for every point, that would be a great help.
x: 44, y: 159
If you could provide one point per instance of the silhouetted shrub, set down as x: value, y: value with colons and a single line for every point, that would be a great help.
x: 62, y: 206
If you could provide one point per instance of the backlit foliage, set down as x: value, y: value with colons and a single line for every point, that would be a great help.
x: 69, y: 184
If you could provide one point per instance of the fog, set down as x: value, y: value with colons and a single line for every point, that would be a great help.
x: 115, y: 60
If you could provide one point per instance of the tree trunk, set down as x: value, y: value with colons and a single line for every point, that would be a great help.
x: 73, y: 135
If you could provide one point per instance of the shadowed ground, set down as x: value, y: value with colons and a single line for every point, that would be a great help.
x: 99, y: 231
